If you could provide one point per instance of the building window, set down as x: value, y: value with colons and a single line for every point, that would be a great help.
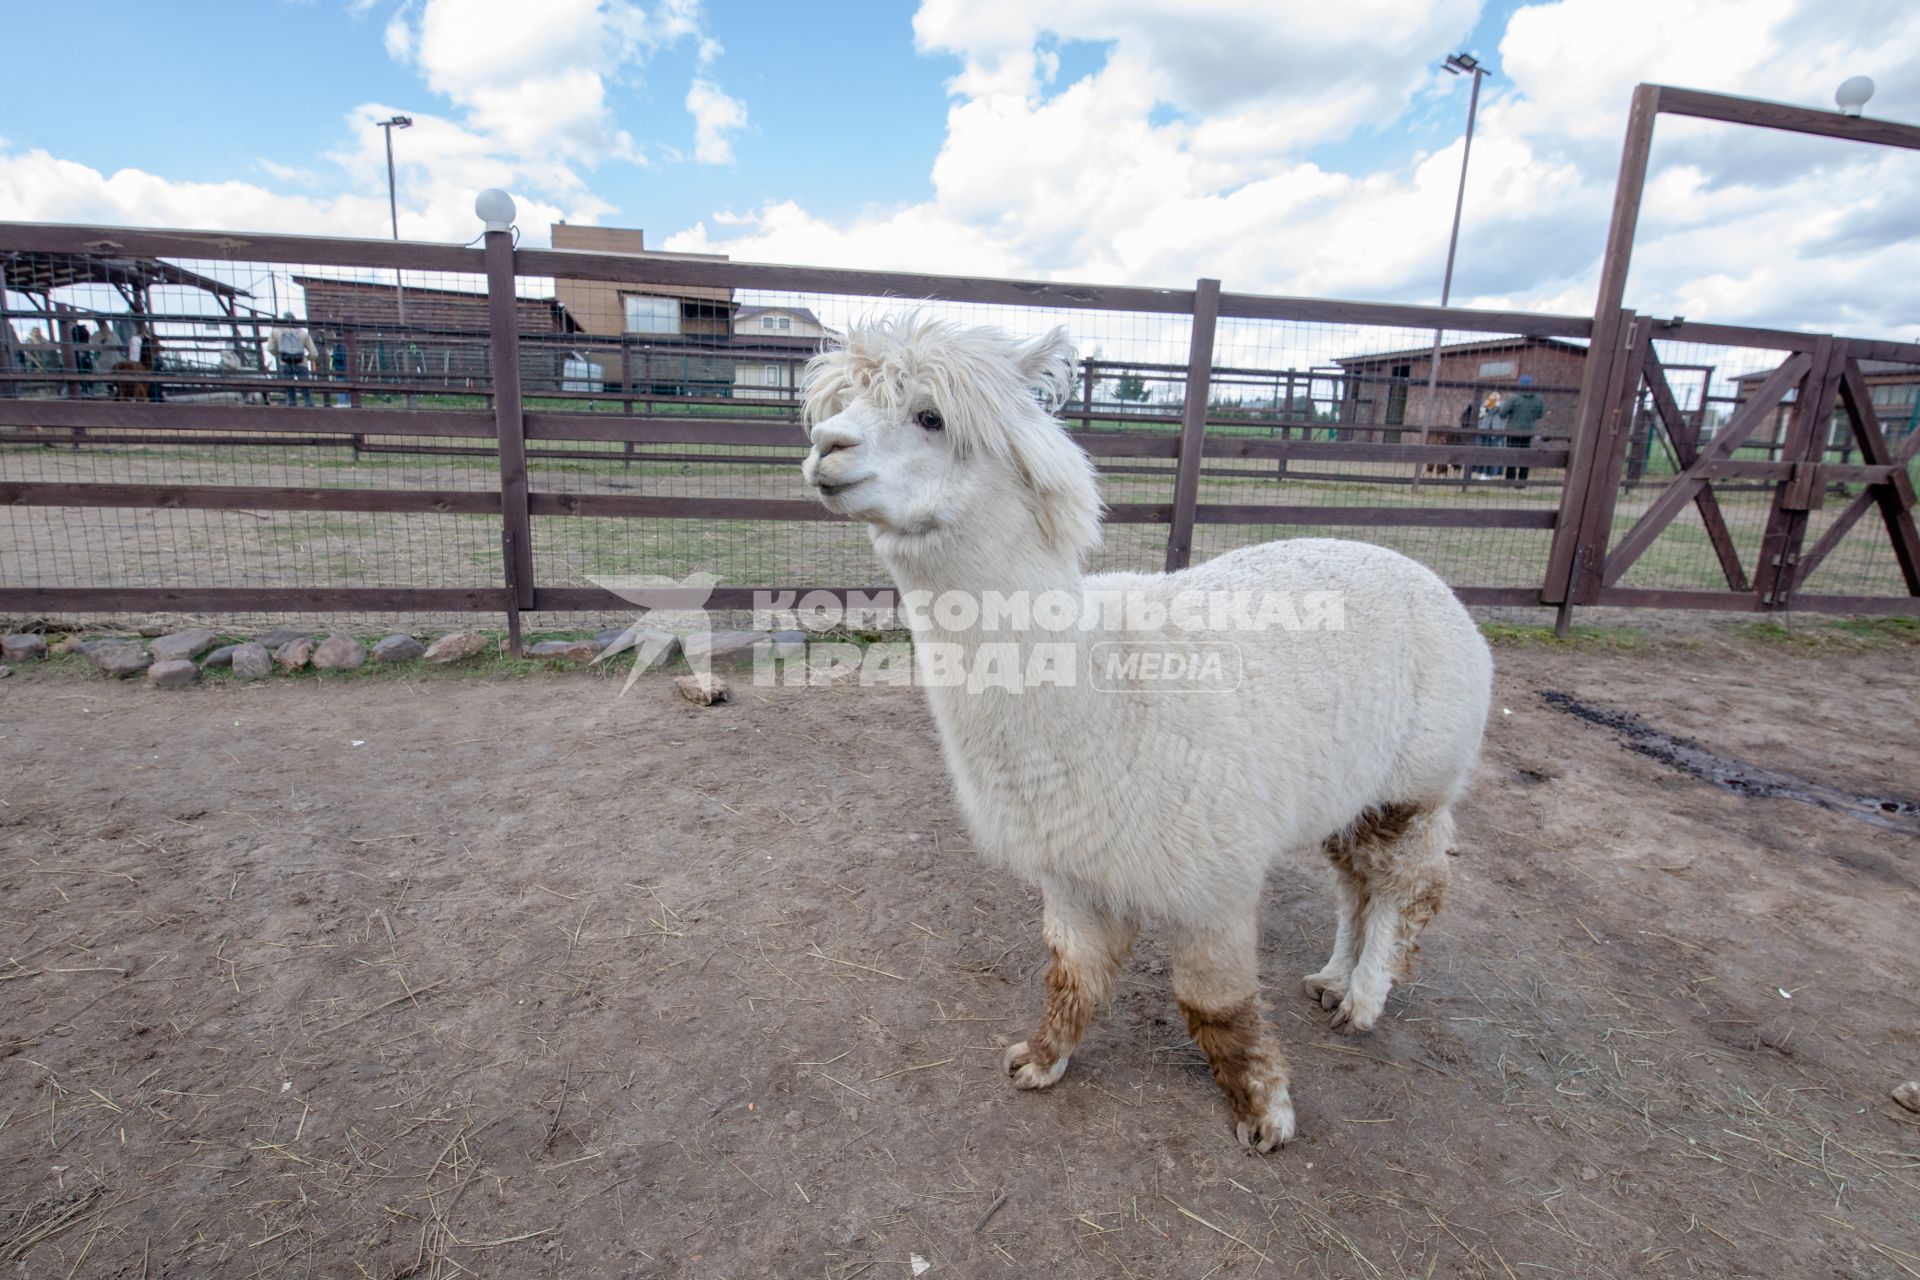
x: 773, y: 375
x: 776, y: 322
x: 1498, y: 368
x: 652, y: 315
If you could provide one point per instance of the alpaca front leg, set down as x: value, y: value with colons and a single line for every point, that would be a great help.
x: 1215, y: 979
x: 1088, y: 946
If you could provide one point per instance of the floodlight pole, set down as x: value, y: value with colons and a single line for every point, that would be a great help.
x: 1456, y: 64
x: 393, y: 209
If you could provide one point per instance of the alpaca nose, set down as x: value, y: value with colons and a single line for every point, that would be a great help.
x: 832, y: 436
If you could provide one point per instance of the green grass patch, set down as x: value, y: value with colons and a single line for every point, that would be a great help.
x: 1819, y: 633
x: 1617, y: 639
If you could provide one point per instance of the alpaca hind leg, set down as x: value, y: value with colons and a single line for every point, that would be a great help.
x: 1088, y: 946
x: 1329, y: 986
x: 1406, y: 879
x: 1215, y: 978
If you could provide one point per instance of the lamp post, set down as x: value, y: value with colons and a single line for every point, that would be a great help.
x: 1459, y: 64
x: 1462, y: 64
x: 393, y: 207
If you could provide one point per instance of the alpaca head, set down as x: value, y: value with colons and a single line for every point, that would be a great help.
x: 931, y: 433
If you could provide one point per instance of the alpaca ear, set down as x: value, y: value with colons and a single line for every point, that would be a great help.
x: 1047, y: 365
x: 1063, y: 479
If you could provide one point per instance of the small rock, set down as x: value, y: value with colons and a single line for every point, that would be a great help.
x: 152, y: 627
x: 457, y: 647
x: 251, y: 661
x: 172, y: 673
x: 398, y: 649
x: 5, y: 671
x: 607, y: 637
x: 339, y: 652
x: 294, y: 654
x: 1588, y: 1173
x: 121, y: 660
x: 221, y: 657
x: 565, y: 650
x: 71, y: 644
x: 1908, y: 1095
x: 281, y: 635
x: 22, y: 648
x: 703, y: 689
x: 183, y: 644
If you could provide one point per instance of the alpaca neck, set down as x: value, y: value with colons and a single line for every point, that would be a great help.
x: 1002, y: 557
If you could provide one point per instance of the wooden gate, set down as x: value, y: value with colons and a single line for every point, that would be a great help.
x: 1818, y: 382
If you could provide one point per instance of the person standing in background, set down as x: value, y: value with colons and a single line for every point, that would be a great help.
x: 1523, y: 412
x: 82, y: 339
x: 293, y: 348
x: 1493, y: 426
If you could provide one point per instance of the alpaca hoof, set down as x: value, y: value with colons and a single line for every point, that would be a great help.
x: 1324, y: 989
x: 1026, y: 1073
x: 1356, y: 1014
x: 1272, y: 1128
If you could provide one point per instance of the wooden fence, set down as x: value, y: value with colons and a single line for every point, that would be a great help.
x: 1585, y: 558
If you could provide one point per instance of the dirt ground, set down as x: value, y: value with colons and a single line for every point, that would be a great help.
x: 516, y: 977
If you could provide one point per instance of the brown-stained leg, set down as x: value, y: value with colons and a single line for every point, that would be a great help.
x: 1405, y: 869
x: 1215, y: 980
x: 1088, y: 947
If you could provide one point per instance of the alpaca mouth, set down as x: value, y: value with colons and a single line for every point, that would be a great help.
x: 830, y: 490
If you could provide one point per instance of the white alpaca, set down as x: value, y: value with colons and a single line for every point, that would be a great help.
x: 1141, y: 805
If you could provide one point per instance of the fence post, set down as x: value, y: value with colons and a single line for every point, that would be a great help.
x: 1193, y: 424
x: 1597, y: 376
x: 509, y: 420
x: 1798, y: 490
x: 1585, y: 526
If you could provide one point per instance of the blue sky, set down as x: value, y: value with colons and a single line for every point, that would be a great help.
x: 1285, y: 145
x: 806, y: 65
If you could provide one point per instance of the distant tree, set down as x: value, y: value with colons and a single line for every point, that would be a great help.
x: 1131, y: 387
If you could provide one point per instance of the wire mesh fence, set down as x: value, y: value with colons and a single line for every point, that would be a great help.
x: 326, y: 425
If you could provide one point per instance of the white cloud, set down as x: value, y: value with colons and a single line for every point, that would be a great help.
x: 1191, y: 150
x: 398, y: 38
x: 715, y: 115
x: 528, y: 85
x: 1184, y: 155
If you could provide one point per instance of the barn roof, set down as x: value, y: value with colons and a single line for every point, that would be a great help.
x: 1462, y: 348
x: 384, y: 290
x: 32, y: 272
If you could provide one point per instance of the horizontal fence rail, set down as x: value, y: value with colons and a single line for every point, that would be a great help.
x: 482, y: 430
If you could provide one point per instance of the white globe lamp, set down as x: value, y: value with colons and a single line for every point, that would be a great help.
x: 495, y: 208
x: 1853, y: 93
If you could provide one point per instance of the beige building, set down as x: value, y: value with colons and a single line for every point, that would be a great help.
x: 668, y: 339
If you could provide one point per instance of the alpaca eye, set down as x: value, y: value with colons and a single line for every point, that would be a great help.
x: 929, y: 419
